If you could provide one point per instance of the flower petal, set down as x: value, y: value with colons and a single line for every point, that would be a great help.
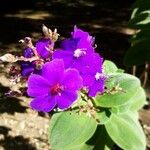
x: 67, y: 56
x: 42, y: 46
x: 37, y: 86
x: 98, y: 86
x: 72, y: 80
x: 44, y: 103
x: 87, y: 80
x: 69, y: 44
x: 66, y: 99
x: 28, y: 52
x: 78, y: 33
x: 53, y: 71
x: 27, y: 70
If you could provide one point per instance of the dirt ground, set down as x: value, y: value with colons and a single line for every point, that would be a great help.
x: 21, y: 128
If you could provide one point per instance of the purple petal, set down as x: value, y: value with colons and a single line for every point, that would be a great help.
x: 42, y: 47
x: 27, y: 71
x: 53, y: 71
x: 81, y: 62
x: 98, y: 86
x: 87, y: 80
x: 67, y: 56
x: 28, y: 52
x: 66, y: 99
x: 97, y: 62
x: 78, y: 33
x: 43, y: 103
x: 69, y: 44
x: 72, y: 80
x: 85, y: 44
x: 95, y: 66
x: 37, y: 86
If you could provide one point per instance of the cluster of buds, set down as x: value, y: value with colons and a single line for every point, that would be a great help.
x: 34, y: 55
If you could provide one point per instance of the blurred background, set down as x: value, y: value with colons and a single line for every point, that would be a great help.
x: 104, y: 19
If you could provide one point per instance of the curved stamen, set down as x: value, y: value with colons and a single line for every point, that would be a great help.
x: 99, y: 76
x: 79, y: 52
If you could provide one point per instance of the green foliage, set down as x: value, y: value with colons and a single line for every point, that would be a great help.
x: 124, y: 87
x: 110, y: 67
x: 69, y: 130
x: 114, y: 121
x: 100, y: 140
x: 126, y: 132
x: 139, y: 52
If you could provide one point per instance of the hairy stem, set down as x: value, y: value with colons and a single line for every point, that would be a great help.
x: 147, y: 67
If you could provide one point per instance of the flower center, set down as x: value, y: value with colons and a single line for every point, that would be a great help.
x: 79, y: 52
x: 98, y: 76
x: 56, y: 89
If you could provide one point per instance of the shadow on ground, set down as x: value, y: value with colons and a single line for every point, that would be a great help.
x: 13, y: 143
x: 9, y: 105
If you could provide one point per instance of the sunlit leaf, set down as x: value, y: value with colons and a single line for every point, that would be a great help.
x: 122, y: 89
x: 126, y: 132
x: 69, y: 130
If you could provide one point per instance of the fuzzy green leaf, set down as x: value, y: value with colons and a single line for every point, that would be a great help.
x: 127, y: 85
x: 109, y: 67
x: 126, y: 132
x: 69, y: 130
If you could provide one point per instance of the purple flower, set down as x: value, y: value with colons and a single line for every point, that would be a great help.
x: 80, y: 34
x: 76, y: 53
x: 93, y: 77
x: 30, y: 67
x: 27, y: 67
x: 54, y: 87
x: 44, y: 47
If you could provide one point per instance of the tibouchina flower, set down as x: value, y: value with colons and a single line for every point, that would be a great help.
x: 93, y: 77
x: 75, y: 52
x: 27, y: 67
x: 78, y: 33
x: 54, y: 87
x: 44, y: 48
x: 30, y: 67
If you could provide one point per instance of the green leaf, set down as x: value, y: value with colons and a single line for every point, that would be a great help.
x: 140, y: 21
x: 126, y: 82
x: 140, y: 36
x: 69, y: 130
x: 138, y: 54
x: 83, y: 146
x: 109, y: 67
x: 138, y: 100
x: 140, y: 6
x: 121, y: 108
x: 135, y: 103
x: 100, y: 140
x: 103, y: 115
x: 126, y: 132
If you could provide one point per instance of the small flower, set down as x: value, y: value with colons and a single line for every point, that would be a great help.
x: 93, y: 77
x: 28, y: 67
x: 44, y: 47
x: 78, y: 33
x: 76, y: 53
x: 54, y: 87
